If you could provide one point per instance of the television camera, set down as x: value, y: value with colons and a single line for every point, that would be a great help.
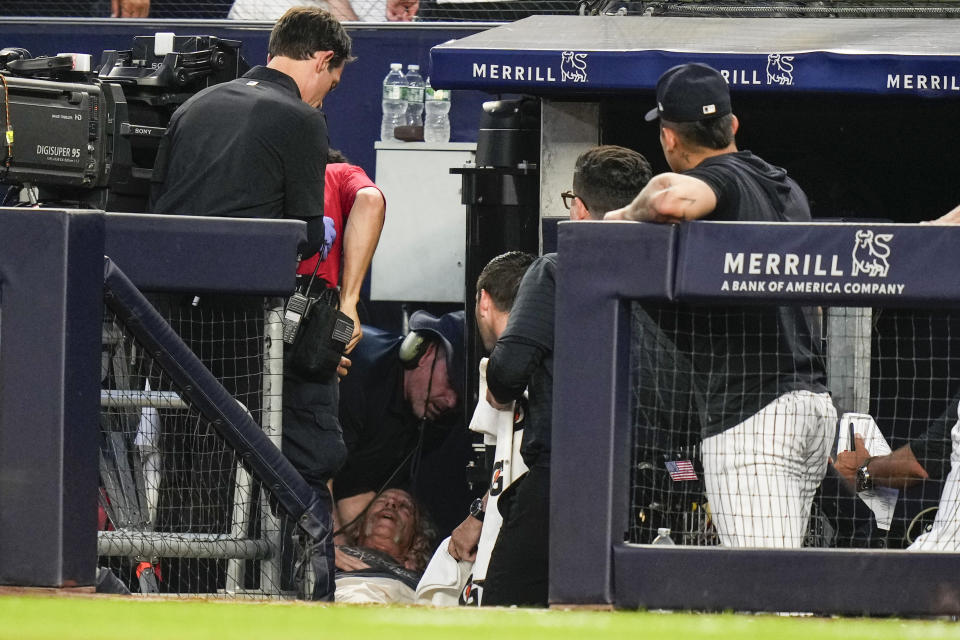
x: 80, y: 137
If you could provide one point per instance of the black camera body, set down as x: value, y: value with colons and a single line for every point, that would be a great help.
x: 154, y: 84
x: 88, y: 138
x: 64, y: 134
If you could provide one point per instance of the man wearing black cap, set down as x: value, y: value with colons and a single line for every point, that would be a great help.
x: 768, y: 422
x: 398, y: 390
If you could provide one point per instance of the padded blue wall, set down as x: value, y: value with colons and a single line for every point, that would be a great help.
x: 353, y: 110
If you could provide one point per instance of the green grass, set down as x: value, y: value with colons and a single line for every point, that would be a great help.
x: 102, y: 618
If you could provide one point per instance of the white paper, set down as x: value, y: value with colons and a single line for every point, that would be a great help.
x: 881, y: 500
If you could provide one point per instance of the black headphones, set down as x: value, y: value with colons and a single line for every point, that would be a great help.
x: 413, y: 347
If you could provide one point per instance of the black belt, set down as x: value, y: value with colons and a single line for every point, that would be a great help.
x: 319, y: 284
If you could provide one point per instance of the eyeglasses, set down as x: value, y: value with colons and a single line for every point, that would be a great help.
x: 568, y: 198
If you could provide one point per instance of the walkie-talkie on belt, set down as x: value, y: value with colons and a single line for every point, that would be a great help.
x: 293, y: 314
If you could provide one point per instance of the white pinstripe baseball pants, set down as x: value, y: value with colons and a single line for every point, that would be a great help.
x: 945, y: 533
x: 761, y: 474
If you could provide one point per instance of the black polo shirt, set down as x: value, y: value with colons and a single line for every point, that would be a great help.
x: 379, y: 428
x: 247, y: 148
x: 523, y: 357
x: 745, y: 356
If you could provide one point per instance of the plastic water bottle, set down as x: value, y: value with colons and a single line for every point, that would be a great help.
x: 394, y: 106
x: 436, y: 125
x: 413, y: 94
x: 663, y: 537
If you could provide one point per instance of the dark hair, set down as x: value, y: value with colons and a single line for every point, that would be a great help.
x: 302, y: 31
x: 715, y: 133
x: 501, y: 277
x: 335, y: 156
x: 609, y: 177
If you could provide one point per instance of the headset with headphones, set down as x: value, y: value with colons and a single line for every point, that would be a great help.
x: 413, y: 347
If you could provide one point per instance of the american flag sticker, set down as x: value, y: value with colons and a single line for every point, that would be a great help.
x: 681, y: 470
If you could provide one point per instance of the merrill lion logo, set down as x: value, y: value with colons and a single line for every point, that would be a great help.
x: 779, y: 69
x: 573, y: 66
x: 870, y: 253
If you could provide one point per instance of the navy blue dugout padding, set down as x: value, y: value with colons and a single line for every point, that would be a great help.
x: 591, y: 55
x: 195, y: 254
x: 841, y: 581
x: 600, y: 263
x: 845, y: 264
x: 51, y: 305
x: 264, y: 460
x: 605, y: 265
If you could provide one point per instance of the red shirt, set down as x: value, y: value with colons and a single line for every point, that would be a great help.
x: 342, y: 182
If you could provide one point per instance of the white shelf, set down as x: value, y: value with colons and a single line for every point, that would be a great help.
x: 426, y: 146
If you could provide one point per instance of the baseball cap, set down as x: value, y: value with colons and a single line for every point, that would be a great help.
x: 449, y: 328
x: 689, y: 93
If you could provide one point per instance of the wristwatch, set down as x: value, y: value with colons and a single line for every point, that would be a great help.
x: 864, y: 479
x: 476, y: 509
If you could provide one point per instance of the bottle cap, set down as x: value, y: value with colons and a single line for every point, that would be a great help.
x: 663, y: 531
x: 413, y: 67
x: 396, y: 65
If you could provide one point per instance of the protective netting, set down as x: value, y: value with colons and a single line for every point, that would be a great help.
x: 270, y: 10
x: 472, y: 10
x: 103, y: 8
x: 180, y: 515
x: 717, y: 457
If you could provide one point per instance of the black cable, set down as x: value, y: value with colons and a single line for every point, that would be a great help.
x: 375, y: 495
x: 421, y: 427
x: 6, y: 197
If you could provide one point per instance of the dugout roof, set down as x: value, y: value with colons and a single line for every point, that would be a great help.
x: 584, y: 55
